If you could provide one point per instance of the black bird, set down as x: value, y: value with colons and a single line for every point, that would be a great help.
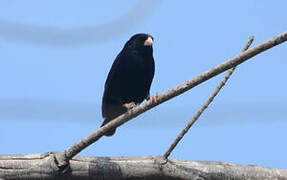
x: 129, y: 79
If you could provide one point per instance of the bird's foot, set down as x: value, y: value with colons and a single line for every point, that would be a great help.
x: 129, y: 106
x: 153, y: 98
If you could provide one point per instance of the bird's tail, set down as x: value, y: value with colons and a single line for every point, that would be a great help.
x: 111, y: 131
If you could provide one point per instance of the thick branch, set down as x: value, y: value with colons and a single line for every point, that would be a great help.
x: 37, y: 166
x: 75, y: 149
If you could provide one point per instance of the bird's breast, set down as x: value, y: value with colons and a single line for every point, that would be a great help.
x: 133, y: 82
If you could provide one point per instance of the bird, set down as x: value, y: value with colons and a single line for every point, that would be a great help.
x: 129, y: 79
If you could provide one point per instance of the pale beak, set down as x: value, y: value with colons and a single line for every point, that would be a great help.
x: 148, y: 42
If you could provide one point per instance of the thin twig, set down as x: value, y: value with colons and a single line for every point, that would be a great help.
x: 78, y: 147
x: 205, y: 105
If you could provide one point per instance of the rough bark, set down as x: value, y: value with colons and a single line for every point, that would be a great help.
x: 42, y: 166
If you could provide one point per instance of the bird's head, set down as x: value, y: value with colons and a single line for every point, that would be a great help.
x: 142, y: 42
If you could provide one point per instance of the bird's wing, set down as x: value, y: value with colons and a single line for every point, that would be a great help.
x: 113, y: 71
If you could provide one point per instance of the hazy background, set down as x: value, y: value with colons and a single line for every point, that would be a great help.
x: 55, y: 56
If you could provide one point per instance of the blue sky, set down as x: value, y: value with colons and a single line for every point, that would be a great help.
x: 55, y: 56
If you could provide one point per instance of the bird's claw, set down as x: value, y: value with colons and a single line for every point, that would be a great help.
x: 153, y: 98
x: 129, y: 106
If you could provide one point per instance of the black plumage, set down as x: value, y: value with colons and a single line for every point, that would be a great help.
x: 129, y: 79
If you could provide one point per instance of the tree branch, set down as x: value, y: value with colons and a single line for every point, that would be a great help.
x: 76, y: 148
x: 56, y: 165
x: 40, y: 166
x: 205, y: 105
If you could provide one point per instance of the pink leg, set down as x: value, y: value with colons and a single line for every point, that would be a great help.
x: 154, y: 98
